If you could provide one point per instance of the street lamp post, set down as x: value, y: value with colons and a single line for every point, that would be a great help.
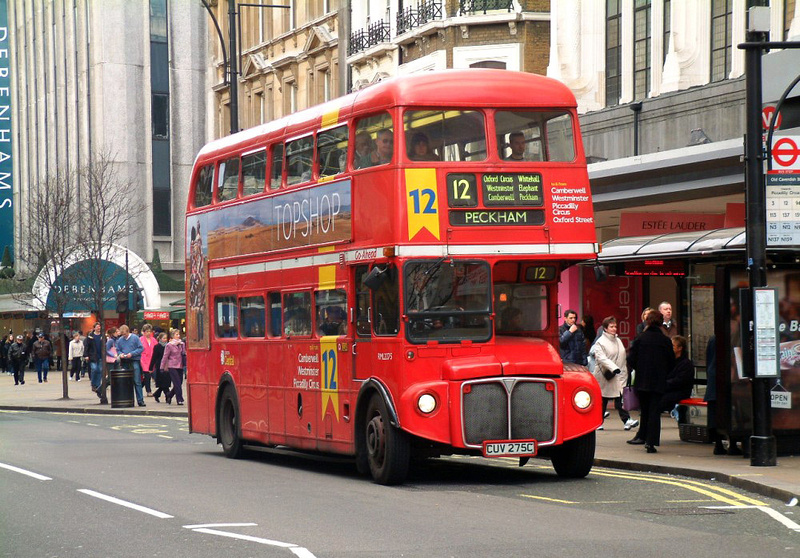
x: 231, y: 55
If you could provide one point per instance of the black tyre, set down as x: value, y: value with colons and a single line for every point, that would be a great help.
x: 574, y: 459
x: 387, y: 448
x: 228, y: 425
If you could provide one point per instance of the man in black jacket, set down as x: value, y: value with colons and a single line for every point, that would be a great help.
x: 571, y: 339
x: 17, y: 358
x: 653, y: 359
x: 93, y: 353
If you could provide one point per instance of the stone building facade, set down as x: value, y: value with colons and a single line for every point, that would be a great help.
x: 123, y: 77
x: 395, y: 38
x: 288, y: 60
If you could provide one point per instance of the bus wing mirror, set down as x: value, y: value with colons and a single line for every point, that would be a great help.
x: 376, y: 277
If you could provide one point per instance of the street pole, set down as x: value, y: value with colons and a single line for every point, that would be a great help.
x: 231, y: 55
x: 127, y: 292
x: 234, y: 72
x: 763, y: 445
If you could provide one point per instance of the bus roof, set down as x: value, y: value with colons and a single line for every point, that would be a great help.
x: 476, y: 87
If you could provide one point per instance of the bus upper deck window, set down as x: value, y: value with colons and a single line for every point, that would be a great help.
x: 374, y: 143
x: 228, y: 183
x: 528, y: 135
x: 299, y: 156
x: 204, y: 186
x: 332, y: 151
x: 253, y: 172
x: 276, y: 175
x: 445, y: 135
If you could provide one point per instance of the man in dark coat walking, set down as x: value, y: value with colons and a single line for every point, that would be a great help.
x: 653, y: 358
x: 571, y: 339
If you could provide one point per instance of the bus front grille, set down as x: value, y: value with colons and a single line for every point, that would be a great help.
x: 508, y: 409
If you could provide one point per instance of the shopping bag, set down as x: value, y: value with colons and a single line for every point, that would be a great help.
x: 630, y: 402
x: 111, y: 355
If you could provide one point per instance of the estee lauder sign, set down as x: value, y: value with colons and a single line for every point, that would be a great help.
x: 648, y: 223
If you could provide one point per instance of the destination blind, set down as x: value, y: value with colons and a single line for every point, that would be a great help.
x: 512, y: 189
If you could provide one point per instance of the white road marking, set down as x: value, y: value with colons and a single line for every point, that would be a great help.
x: 37, y: 476
x: 206, y: 525
x: 774, y: 514
x: 296, y: 550
x: 137, y: 507
x: 302, y: 552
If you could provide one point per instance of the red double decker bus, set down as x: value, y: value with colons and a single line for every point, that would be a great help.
x: 377, y: 276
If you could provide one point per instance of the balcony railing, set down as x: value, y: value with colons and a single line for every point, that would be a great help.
x: 406, y: 20
x: 472, y: 7
x: 426, y: 11
x: 375, y: 34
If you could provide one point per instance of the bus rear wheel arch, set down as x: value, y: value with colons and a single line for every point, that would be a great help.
x: 386, y: 449
x: 228, y: 433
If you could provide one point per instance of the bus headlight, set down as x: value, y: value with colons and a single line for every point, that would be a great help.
x: 426, y: 403
x: 582, y: 399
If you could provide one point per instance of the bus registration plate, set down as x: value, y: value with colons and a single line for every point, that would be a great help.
x: 506, y: 448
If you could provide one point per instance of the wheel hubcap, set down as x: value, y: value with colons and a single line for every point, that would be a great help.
x: 376, y: 443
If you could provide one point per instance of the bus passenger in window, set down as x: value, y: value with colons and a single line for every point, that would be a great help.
x: 333, y: 321
x: 516, y: 141
x: 421, y: 149
x: 385, y: 141
x: 365, y: 151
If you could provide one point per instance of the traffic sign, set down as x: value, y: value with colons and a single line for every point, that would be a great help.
x: 766, y: 117
x: 785, y: 153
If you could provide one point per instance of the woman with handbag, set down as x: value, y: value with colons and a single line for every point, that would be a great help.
x: 611, y: 369
x: 653, y: 358
x: 174, y: 353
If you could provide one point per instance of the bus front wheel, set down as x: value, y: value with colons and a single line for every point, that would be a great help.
x: 574, y: 458
x: 228, y: 425
x: 387, y: 448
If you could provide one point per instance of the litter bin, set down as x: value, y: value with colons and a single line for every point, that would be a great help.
x: 121, y: 387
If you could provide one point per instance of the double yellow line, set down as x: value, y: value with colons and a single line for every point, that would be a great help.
x: 718, y: 493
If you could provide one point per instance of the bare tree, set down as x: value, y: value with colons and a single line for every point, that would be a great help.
x: 72, y: 240
x: 109, y: 208
x: 46, y: 251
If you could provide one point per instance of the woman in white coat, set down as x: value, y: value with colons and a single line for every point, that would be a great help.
x: 611, y: 369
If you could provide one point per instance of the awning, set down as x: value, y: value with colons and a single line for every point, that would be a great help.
x: 675, y: 245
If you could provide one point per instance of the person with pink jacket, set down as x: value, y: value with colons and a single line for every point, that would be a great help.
x: 148, y: 343
x: 173, y: 359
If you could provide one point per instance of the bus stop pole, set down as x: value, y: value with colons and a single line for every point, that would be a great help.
x: 763, y: 446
